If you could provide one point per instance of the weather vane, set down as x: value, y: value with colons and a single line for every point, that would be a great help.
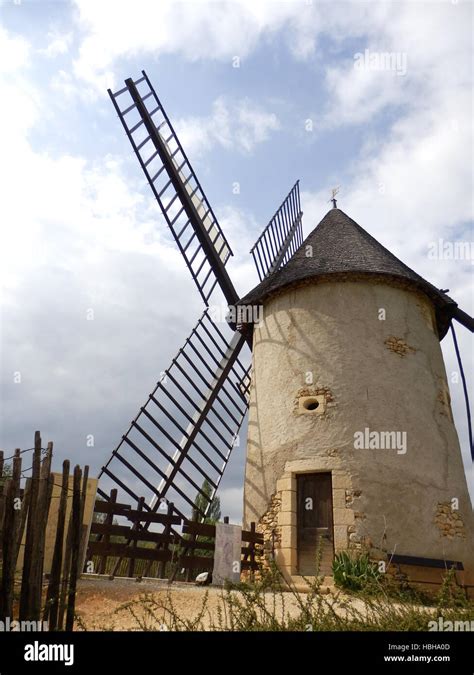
x: 334, y: 192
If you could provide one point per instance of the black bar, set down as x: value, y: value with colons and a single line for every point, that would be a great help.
x: 145, y: 458
x: 464, y: 319
x: 152, y: 112
x: 117, y: 93
x: 183, y: 228
x: 199, y: 247
x: 135, y: 126
x: 151, y: 158
x: 198, y: 409
x: 182, y: 150
x: 152, y: 180
x: 209, y: 402
x: 425, y: 562
x: 144, y: 142
x: 152, y: 441
x: 164, y: 188
x: 213, y: 374
x: 185, y: 434
x: 119, y: 483
x: 172, y: 222
x: 127, y: 110
x: 160, y: 428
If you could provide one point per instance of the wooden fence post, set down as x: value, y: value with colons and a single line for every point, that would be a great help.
x: 82, y: 548
x: 65, y: 573
x: 25, y: 506
x: 166, y: 532
x: 108, y: 521
x: 26, y: 603
x: 1, y: 491
x: 43, y: 504
x: 16, y: 475
x: 52, y: 597
x: 11, y: 524
x: 131, y: 562
x: 76, y: 542
x: 193, y: 539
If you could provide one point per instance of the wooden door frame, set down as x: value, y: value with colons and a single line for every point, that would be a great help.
x: 343, y: 513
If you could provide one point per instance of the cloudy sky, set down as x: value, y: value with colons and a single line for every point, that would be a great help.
x: 261, y: 94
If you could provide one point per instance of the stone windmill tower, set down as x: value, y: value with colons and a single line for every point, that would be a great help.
x: 351, y: 433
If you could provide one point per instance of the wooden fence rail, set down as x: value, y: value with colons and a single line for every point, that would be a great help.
x: 115, y: 548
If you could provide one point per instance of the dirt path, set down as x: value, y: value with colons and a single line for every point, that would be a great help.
x: 100, y: 604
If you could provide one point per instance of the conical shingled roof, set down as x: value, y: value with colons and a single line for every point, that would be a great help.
x: 341, y: 246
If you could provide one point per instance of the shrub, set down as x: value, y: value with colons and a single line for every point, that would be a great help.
x: 354, y: 572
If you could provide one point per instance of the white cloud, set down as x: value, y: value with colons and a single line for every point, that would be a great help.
x: 436, y: 60
x: 61, y: 209
x: 64, y: 211
x: 14, y: 52
x: 238, y: 126
x: 356, y: 95
x: 196, y: 30
x: 63, y: 83
x: 58, y: 43
x: 240, y: 226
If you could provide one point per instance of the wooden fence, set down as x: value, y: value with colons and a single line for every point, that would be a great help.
x: 116, y: 550
x: 23, y: 519
x: 133, y: 550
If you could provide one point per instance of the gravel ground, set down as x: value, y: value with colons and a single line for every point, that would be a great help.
x: 99, y: 603
x: 99, y: 600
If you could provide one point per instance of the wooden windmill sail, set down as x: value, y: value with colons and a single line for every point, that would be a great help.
x: 186, y: 430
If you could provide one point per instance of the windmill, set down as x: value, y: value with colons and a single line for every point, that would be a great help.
x: 186, y: 430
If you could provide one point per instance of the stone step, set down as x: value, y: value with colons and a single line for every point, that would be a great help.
x: 301, y: 584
